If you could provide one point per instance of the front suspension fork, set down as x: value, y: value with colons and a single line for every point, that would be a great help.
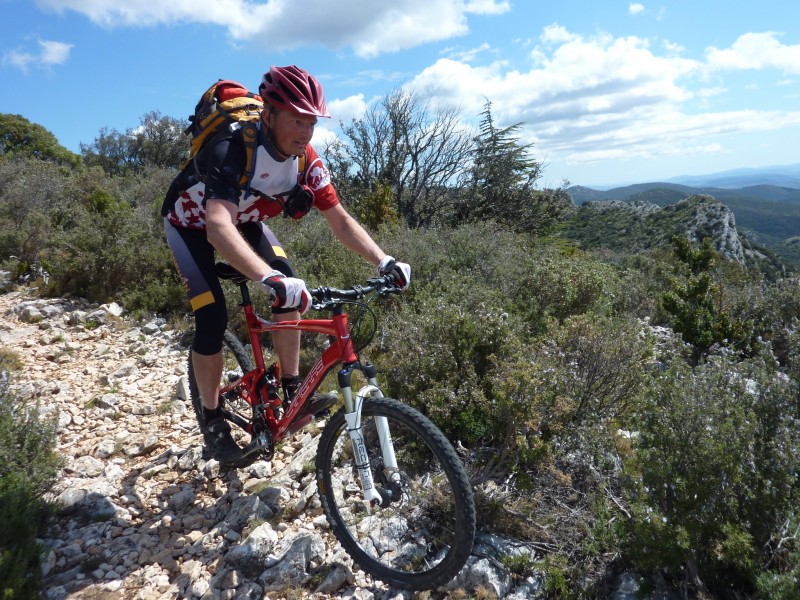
x: 352, y: 416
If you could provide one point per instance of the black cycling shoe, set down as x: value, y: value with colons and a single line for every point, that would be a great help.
x: 319, y: 403
x: 219, y: 443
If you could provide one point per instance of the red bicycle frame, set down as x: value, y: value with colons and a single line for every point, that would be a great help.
x: 340, y: 351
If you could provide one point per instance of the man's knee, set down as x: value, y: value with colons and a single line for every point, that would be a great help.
x: 209, y: 328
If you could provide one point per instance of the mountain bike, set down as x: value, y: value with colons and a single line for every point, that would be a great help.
x: 392, y: 488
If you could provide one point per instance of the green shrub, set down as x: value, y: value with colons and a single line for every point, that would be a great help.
x: 29, y: 190
x: 316, y: 255
x: 569, y: 284
x: 113, y: 251
x: 28, y: 467
x: 9, y: 361
x: 592, y: 370
x: 776, y: 312
x: 441, y: 359
x: 718, y: 453
x: 696, y: 306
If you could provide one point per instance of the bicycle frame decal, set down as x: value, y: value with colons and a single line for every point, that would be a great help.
x: 316, y: 373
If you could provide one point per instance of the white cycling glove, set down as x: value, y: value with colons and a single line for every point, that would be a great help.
x: 400, y: 271
x: 287, y: 292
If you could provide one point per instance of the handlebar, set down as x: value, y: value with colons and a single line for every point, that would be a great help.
x: 326, y: 296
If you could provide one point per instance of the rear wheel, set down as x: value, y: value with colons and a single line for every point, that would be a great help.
x: 236, y: 361
x: 423, y: 533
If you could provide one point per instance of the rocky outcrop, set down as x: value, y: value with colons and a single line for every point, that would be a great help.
x: 637, y: 225
x: 704, y: 216
x: 143, y: 516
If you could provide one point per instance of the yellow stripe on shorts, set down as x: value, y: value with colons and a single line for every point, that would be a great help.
x: 279, y: 251
x: 202, y: 300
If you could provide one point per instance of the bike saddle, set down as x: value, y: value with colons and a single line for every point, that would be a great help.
x: 226, y: 271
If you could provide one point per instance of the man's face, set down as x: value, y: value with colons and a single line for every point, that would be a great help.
x: 291, y: 131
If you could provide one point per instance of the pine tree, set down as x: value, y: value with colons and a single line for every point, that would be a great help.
x: 501, y: 186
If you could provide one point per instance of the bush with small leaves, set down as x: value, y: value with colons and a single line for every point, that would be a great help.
x: 718, y: 452
x: 696, y: 306
x: 28, y: 468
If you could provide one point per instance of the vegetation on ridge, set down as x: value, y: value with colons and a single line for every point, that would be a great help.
x: 626, y: 396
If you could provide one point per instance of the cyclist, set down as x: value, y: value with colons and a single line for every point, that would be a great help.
x: 218, y: 214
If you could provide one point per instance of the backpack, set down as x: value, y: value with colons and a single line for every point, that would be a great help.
x: 223, y: 107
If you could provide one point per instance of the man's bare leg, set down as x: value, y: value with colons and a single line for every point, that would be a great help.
x: 208, y: 368
x: 287, y: 345
x: 207, y: 374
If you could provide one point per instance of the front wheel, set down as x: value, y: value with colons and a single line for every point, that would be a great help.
x: 422, y: 535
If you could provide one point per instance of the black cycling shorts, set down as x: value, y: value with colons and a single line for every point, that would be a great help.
x: 194, y: 258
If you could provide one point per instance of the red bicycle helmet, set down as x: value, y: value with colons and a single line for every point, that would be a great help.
x: 294, y: 89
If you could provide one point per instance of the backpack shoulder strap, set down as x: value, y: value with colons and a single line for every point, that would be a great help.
x: 248, y: 133
x: 250, y: 138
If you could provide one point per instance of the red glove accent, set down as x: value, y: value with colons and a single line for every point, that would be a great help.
x: 287, y: 292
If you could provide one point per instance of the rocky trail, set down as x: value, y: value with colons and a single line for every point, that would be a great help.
x: 144, y: 516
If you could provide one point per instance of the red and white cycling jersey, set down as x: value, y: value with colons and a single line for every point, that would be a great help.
x: 272, y: 177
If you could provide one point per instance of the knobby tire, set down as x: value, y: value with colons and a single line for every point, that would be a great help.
x: 422, y: 538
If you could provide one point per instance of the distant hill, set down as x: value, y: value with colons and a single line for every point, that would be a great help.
x: 672, y: 192
x: 782, y: 176
x: 768, y: 214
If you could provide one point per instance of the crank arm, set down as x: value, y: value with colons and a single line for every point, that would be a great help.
x: 258, y: 443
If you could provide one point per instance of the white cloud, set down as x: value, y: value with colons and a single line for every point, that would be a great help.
x: 712, y: 91
x: 487, y: 7
x: 50, y: 53
x: 672, y: 47
x: 18, y: 59
x: 635, y: 8
x: 587, y: 98
x: 756, y: 51
x: 323, y: 137
x: 368, y: 27
x: 54, y: 53
x: 469, y: 55
x: 578, y: 76
x: 347, y: 109
x: 557, y: 34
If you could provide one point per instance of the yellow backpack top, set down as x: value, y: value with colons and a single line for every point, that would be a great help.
x: 225, y: 106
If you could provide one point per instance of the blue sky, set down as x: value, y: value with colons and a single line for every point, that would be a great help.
x: 608, y: 92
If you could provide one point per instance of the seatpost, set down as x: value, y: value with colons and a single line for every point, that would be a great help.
x: 245, y: 294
